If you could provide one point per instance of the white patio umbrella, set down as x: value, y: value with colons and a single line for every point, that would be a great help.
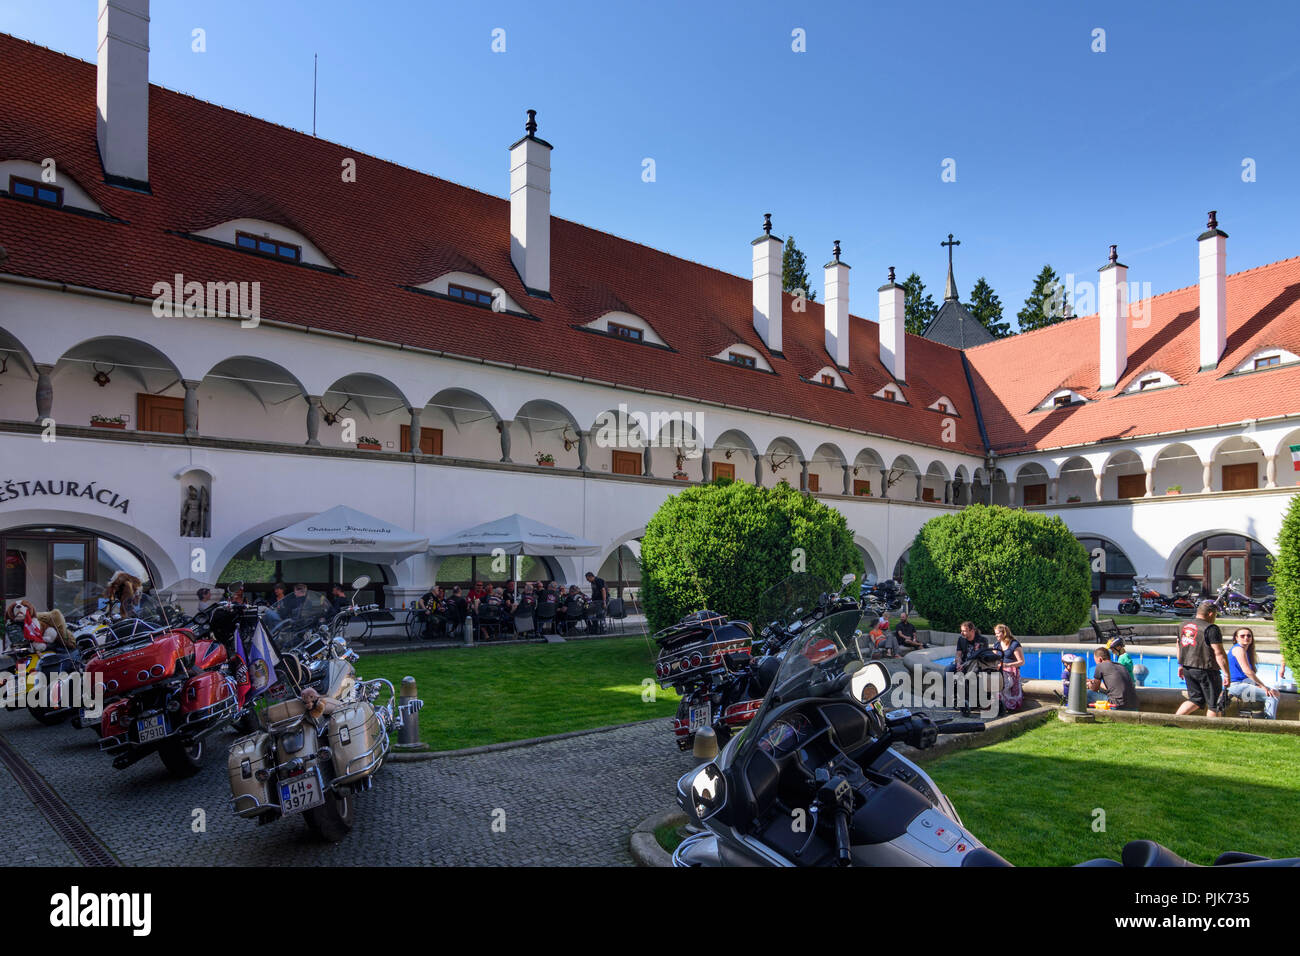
x: 345, y: 532
x: 514, y: 534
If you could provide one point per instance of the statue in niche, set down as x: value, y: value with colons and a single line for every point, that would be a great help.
x: 195, y: 517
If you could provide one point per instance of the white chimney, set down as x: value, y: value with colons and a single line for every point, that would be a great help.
x: 1112, y: 310
x: 122, y: 93
x: 893, y: 328
x: 1214, y: 293
x: 767, y: 286
x: 530, y: 209
x: 837, y: 309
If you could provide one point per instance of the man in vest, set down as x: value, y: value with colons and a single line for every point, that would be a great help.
x: 1201, y: 661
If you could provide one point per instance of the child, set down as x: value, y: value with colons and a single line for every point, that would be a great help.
x: 1136, y: 671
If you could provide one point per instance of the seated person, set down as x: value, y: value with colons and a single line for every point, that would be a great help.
x: 970, y: 645
x: 1243, y: 682
x: 1115, y: 680
x: 884, y: 641
x: 1137, y: 671
x: 905, y: 632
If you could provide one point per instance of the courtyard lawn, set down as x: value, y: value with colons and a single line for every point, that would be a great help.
x: 486, y: 695
x: 1198, y: 792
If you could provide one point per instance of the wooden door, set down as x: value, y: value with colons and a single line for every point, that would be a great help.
x: 1037, y: 494
x: 862, y: 488
x: 723, y: 469
x: 430, y: 440
x: 1131, y: 486
x: 927, y: 494
x: 1240, y: 477
x: 159, y: 413
x: 626, y: 463
x: 814, y: 482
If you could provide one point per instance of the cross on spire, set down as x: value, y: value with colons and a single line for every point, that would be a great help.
x: 950, y: 290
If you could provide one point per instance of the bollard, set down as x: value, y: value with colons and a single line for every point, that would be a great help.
x: 1076, y: 709
x: 408, y: 735
x: 467, y: 630
x: 706, y: 744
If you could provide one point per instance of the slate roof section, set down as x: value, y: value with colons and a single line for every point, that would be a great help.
x: 954, y: 326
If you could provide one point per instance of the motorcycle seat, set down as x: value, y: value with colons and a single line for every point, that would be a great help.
x: 1145, y: 853
x: 283, y: 710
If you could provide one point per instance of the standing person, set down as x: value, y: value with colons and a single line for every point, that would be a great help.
x: 1115, y: 679
x: 1201, y: 661
x: 1011, y: 696
x: 599, y: 596
x: 1243, y: 681
x: 906, y: 632
x: 205, y: 598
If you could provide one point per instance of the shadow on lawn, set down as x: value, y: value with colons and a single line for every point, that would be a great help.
x: 1044, y: 811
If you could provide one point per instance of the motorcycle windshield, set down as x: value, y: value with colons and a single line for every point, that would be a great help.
x: 300, y: 612
x: 813, y: 664
x: 792, y: 599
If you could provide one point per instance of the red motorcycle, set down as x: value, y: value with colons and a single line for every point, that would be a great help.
x: 166, y: 691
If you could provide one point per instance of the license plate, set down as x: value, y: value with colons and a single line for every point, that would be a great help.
x: 700, y: 717
x: 301, y: 793
x: 151, y: 728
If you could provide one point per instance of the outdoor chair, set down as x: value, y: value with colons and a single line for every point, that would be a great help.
x: 489, y: 621
x: 573, y: 613
x: 525, y: 625
x: 1106, y: 629
x: 614, y: 611
x: 545, y: 615
x: 595, y: 617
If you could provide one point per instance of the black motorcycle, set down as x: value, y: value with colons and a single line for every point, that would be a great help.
x: 721, y: 669
x: 815, y: 780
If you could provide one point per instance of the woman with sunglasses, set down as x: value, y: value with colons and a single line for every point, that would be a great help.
x: 1244, y: 683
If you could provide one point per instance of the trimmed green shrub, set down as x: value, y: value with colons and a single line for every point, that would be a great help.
x: 1286, y: 585
x: 994, y: 565
x: 723, y: 544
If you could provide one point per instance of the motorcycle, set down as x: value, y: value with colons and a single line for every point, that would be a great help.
x: 721, y: 670
x: 166, y: 689
x: 815, y: 781
x: 884, y: 596
x: 1147, y: 600
x: 1232, y: 602
x: 41, y: 671
x: 320, y: 744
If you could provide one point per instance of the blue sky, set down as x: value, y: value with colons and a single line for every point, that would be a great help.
x: 1059, y: 150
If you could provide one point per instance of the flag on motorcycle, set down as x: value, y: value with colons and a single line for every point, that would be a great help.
x: 261, y: 660
x: 1295, y: 457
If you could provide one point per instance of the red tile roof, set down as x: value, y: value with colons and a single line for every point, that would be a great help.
x: 1014, y: 375
x: 396, y: 227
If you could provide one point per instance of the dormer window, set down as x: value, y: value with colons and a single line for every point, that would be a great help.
x: 472, y: 296
x: 1268, y: 357
x: 1149, y: 380
x: 746, y: 361
x: 828, y: 379
x: 944, y: 404
x: 268, y: 246
x: 890, y: 393
x: 625, y: 332
x: 1064, y: 398
x: 42, y: 193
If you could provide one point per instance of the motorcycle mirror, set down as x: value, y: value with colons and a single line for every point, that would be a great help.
x: 706, y: 744
x: 360, y: 582
x: 708, y: 790
x: 848, y: 579
x: 869, y: 681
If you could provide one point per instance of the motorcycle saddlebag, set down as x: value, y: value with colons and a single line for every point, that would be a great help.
x: 208, y: 694
x: 691, y: 649
x: 357, y: 741
x: 251, y: 797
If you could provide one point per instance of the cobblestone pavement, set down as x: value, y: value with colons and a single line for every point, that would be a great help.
x: 568, y: 802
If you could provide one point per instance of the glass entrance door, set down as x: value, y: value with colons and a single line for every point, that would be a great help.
x: 49, y: 570
x: 1222, y: 566
x: 69, y: 561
